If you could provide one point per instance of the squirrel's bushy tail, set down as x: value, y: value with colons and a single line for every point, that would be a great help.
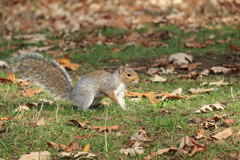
x: 49, y: 74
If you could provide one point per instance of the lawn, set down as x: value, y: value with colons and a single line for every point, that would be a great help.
x: 54, y: 125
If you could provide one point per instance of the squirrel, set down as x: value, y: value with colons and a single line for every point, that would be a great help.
x: 87, y: 92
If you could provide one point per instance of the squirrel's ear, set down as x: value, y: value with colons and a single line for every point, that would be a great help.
x: 126, y: 65
x: 121, y: 69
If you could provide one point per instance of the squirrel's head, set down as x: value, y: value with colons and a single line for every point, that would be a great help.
x: 128, y: 75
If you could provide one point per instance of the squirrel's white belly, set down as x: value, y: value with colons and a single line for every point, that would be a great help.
x: 120, y: 88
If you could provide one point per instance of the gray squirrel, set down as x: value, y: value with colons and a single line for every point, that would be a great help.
x: 88, y: 91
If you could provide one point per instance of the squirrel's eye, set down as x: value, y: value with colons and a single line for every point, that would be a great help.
x: 129, y: 75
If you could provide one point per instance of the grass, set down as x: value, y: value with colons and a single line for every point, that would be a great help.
x: 22, y: 136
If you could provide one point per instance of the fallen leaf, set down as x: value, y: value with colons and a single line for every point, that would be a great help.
x: 191, y: 39
x: 167, y: 71
x: 116, y: 50
x: 201, y: 90
x: 77, y: 155
x: 39, y: 49
x: 189, y: 146
x: 234, y: 47
x: 31, y: 92
x: 45, y: 155
x: 191, y: 66
x: 195, y: 45
x: 157, y: 78
x: 180, y: 58
x: 72, y: 66
x: 192, y: 75
x: 132, y: 151
x: 41, y: 122
x: 219, y: 83
x: 166, y: 150
x: 10, y: 79
x: 152, y: 71
x: 200, y: 134
x: 223, y: 134
x: 162, y: 62
x: 209, y: 107
x: 53, y: 145
x: 140, y: 137
x: 229, y: 122
x: 86, y: 148
x: 224, y: 41
x: 21, y: 108
x: 66, y: 63
x: 221, y: 70
x: 63, y: 60
x: 103, y: 128
x: 10, y: 118
x: 81, y: 124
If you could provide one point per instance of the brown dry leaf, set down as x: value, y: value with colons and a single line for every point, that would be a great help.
x: 195, y: 45
x: 219, y: 83
x: 102, y: 128
x: 115, y: 60
x: 45, y: 155
x: 167, y: 71
x: 53, y: 145
x: 209, y: 107
x: 162, y: 62
x: 10, y: 79
x: 229, y: 122
x: 191, y: 39
x: 192, y: 75
x: 78, y: 155
x: 30, y: 93
x: 209, y: 124
x: 41, y: 122
x: 200, y: 134
x: 152, y: 71
x: 166, y: 150
x: 63, y: 60
x: 223, y: 134
x: 201, y: 90
x: 221, y: 70
x: 32, y: 38
x: 80, y: 137
x: 72, y: 147
x: 72, y: 66
x: 180, y: 58
x: 140, y: 137
x: 132, y: 151
x: 21, y: 108
x: 66, y: 63
x: 39, y: 49
x: 224, y: 41
x: 191, y: 66
x: 234, y: 47
x: 175, y: 94
x: 86, y: 148
x: 151, y: 95
x: 150, y: 156
x: 116, y: 50
x: 81, y: 124
x: 157, y: 78
x: 189, y: 146
x: 10, y: 118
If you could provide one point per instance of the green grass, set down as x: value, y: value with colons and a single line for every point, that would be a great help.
x: 22, y: 136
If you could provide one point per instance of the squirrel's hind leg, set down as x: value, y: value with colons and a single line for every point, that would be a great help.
x: 84, y: 102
